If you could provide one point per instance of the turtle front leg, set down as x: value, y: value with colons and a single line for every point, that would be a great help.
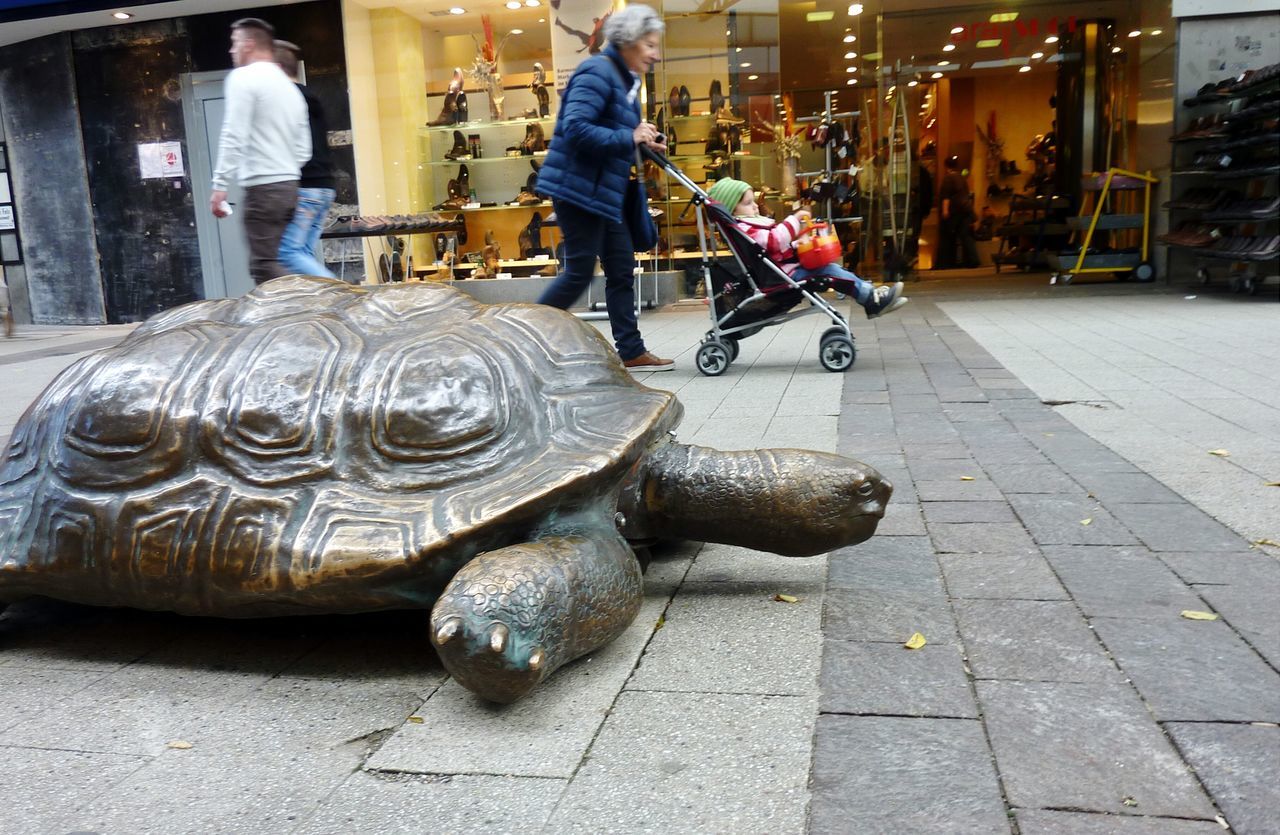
x: 512, y: 616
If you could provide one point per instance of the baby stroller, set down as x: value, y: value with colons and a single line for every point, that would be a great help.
x: 752, y: 293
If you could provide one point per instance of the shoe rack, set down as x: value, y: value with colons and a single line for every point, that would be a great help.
x: 484, y: 168
x: 1225, y: 212
x: 698, y: 101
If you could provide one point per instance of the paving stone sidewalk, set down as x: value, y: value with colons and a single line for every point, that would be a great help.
x: 1059, y: 691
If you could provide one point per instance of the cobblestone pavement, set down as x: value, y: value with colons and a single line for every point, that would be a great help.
x: 1060, y: 689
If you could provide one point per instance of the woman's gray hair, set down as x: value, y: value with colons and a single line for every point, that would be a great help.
x: 631, y: 24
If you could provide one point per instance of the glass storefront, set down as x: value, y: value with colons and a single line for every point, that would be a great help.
x: 856, y: 105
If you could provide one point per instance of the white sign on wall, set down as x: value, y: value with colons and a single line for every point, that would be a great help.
x: 160, y: 159
x: 6, y: 217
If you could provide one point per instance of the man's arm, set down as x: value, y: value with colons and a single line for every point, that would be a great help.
x: 236, y: 119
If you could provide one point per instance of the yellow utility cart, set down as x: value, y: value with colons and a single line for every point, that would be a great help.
x: 1121, y: 208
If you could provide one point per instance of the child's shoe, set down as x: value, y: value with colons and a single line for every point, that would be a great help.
x: 885, y: 299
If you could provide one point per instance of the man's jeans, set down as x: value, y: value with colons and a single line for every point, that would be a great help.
x: 586, y: 237
x: 267, y: 211
x: 300, y: 246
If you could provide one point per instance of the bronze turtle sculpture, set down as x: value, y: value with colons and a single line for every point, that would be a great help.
x: 319, y: 448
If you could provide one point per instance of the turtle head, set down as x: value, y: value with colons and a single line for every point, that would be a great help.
x: 793, y: 502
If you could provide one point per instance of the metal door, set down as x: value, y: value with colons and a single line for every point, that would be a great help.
x: 224, y: 250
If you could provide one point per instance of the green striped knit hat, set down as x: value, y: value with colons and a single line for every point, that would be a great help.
x: 728, y: 192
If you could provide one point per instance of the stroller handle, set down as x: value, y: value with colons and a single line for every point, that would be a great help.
x: 659, y: 159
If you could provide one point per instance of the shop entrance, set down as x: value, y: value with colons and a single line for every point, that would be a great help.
x: 224, y: 252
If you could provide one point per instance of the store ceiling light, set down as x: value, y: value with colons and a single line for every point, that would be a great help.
x: 851, y: 82
x: 943, y: 63
x: 851, y: 55
x: 957, y: 30
x: 850, y: 69
x: 949, y: 48
x: 988, y: 43
x: 855, y: 9
x: 1135, y: 33
x: 1115, y: 50
x: 1025, y: 68
x: 457, y: 10
x: 1051, y: 39
x: 936, y: 75
x: 517, y: 31
x: 912, y: 83
x: 121, y: 15
x: 1004, y: 17
x: 745, y: 64
x: 532, y: 3
x: 816, y: 17
x: 514, y: 4
x: 1036, y: 56
x: 752, y: 77
x: 1157, y: 32
x: 737, y: 49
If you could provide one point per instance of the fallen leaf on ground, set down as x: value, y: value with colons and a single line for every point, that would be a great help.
x: 416, y: 720
x: 1129, y: 801
x: 1270, y: 542
x: 1221, y: 453
x: 786, y: 598
x: 1192, y: 614
x: 915, y: 641
x: 1088, y: 521
x: 1272, y: 484
x: 662, y: 619
x: 180, y: 744
x: 966, y: 478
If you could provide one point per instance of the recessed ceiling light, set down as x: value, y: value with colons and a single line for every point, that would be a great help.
x: 457, y: 10
x: 514, y: 4
x: 855, y: 9
x: 1114, y: 50
x: 850, y: 69
x: 121, y: 15
x: 851, y: 55
x: 850, y: 38
x: 912, y: 83
x: 1157, y: 31
x: 936, y: 75
x: 1036, y: 56
x: 737, y: 49
x: 542, y: 20
x: 949, y: 47
x: 1135, y: 33
x: 943, y: 63
x: 517, y: 31
x: 1024, y: 68
x: 957, y: 30
x: 852, y: 81
x: 532, y: 3
x: 1051, y: 39
x: 752, y: 77
x: 745, y: 64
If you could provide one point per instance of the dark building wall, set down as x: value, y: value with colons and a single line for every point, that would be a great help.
x: 129, y: 90
x: 50, y: 187
x: 84, y: 194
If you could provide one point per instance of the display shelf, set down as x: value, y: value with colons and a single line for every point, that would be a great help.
x: 484, y: 160
x: 481, y: 124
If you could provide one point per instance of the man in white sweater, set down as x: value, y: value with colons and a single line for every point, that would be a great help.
x: 266, y: 138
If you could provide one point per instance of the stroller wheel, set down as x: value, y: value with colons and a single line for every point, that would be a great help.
x: 733, y: 348
x: 836, y: 351
x: 713, y: 358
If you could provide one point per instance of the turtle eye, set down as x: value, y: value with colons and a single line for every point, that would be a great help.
x: 866, y: 488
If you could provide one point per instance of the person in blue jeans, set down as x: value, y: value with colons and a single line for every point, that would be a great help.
x: 300, y: 246
x: 587, y: 170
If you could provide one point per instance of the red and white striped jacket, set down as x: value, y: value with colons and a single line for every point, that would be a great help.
x: 776, y: 238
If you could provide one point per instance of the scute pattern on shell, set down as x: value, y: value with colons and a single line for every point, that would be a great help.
x: 269, y: 452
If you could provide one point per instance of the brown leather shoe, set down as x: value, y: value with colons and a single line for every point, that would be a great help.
x: 648, y: 362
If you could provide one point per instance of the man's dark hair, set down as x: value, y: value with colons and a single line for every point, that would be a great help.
x: 256, y: 30
x: 287, y: 57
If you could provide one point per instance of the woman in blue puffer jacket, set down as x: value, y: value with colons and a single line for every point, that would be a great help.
x: 587, y: 169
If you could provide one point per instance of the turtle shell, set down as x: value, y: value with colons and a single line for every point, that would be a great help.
x: 313, y: 446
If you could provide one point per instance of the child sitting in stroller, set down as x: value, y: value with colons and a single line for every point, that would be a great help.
x: 776, y: 238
